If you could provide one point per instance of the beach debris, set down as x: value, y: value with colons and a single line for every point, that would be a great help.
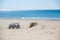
x: 43, y: 27
x: 32, y: 24
x: 14, y: 25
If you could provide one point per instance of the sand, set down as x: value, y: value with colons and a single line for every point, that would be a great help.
x: 44, y: 30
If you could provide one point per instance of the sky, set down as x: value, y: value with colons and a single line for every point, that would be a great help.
x: 29, y: 4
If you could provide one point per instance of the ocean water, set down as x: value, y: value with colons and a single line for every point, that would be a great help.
x: 31, y: 14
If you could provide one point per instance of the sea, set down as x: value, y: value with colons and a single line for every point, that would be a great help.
x: 31, y: 14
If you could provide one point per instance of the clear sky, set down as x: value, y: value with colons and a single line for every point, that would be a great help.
x: 29, y: 4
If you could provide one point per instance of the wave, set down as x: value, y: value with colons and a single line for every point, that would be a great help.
x: 29, y: 18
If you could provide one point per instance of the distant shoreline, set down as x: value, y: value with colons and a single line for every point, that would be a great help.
x: 30, y: 10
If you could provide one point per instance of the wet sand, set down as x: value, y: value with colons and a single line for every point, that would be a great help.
x: 44, y: 30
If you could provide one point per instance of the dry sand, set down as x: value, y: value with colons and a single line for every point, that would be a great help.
x: 44, y: 30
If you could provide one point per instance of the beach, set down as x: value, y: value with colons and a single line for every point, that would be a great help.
x: 44, y: 30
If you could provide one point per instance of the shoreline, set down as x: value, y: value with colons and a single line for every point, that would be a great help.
x: 33, y: 18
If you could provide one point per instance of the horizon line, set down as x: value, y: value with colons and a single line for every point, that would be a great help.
x: 24, y: 9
